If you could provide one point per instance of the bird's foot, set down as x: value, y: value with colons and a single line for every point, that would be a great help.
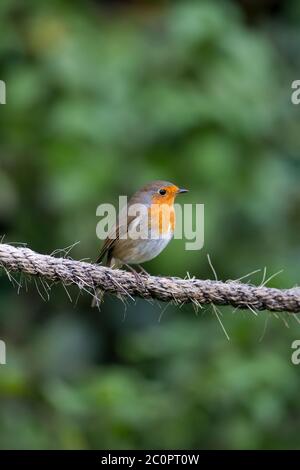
x: 138, y: 276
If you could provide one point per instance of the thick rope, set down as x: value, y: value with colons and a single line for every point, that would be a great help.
x: 122, y: 283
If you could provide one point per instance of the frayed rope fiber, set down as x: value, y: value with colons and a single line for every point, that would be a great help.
x: 168, y: 289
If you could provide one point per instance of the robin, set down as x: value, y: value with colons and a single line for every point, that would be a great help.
x: 143, y: 228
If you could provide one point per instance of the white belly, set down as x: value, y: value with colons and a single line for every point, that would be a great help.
x: 139, y: 251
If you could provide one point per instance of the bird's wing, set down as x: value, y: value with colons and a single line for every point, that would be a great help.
x: 123, y: 222
x: 106, y: 247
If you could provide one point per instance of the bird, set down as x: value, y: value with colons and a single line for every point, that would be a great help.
x: 141, y: 235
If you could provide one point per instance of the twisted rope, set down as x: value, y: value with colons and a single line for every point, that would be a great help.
x: 123, y: 283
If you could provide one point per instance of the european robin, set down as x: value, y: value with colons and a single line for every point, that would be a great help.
x: 141, y: 234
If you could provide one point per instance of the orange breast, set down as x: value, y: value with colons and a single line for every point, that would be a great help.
x: 162, y: 218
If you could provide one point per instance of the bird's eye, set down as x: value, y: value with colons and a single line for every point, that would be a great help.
x: 162, y: 192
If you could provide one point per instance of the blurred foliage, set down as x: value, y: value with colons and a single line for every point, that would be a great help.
x: 101, y: 98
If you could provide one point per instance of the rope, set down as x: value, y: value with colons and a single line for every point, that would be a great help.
x: 168, y: 289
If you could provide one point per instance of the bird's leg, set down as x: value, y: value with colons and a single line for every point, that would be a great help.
x: 137, y: 275
x: 143, y: 270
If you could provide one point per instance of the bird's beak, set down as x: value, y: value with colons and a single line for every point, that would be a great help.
x: 182, y: 190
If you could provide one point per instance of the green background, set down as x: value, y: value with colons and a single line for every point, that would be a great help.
x: 103, y: 97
